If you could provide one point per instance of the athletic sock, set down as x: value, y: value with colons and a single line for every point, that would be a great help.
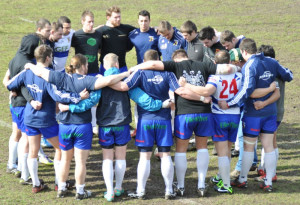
x: 13, y: 153
x: 93, y: 111
x: 167, y: 171
x: 33, y: 170
x: 270, y: 165
x: 202, y: 166
x: 120, y: 168
x: 143, y: 172
x: 277, y: 157
x: 262, y: 160
x: 25, y: 170
x: 62, y: 186
x: 41, y: 152
x: 108, y: 175
x: 224, y: 169
x: 80, y: 188
x: 246, y: 165
x: 56, y: 169
x: 180, y: 168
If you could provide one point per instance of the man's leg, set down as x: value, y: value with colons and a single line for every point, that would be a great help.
x: 270, y: 156
x: 167, y: 171
x: 120, y: 166
x: 24, y: 149
x: 80, y: 168
x: 57, y: 157
x: 108, y: 170
x: 13, y: 147
x: 181, y: 161
x: 143, y: 172
x: 66, y: 157
x: 223, y: 149
x: 202, y: 160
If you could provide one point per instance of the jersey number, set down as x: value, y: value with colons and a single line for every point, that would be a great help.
x: 232, y: 88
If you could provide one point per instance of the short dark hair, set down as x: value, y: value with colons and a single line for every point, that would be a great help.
x: 222, y: 57
x: 226, y: 36
x: 151, y: 55
x: 55, y: 26
x: 144, y: 13
x: 188, y: 27
x: 42, y: 52
x: 267, y: 50
x: 164, y: 26
x: 180, y: 53
x: 207, y: 33
x: 41, y: 23
x: 63, y: 19
x: 248, y: 45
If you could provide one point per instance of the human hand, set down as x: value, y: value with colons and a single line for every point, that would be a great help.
x: 259, y: 105
x: 36, y: 104
x: 223, y: 104
x: 63, y: 107
x: 182, y: 81
x: 84, y: 94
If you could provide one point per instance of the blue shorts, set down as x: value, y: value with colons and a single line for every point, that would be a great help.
x: 226, y: 127
x: 79, y: 136
x: 17, y: 114
x: 154, y: 131
x: 102, y: 69
x: 47, y: 132
x: 201, y: 124
x: 252, y: 126
x: 114, y: 135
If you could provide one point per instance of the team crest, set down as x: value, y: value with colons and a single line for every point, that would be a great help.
x: 151, y: 38
x: 175, y: 43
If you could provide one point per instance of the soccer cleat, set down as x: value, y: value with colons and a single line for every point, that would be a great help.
x: 14, y: 171
x: 235, y: 153
x: 69, y: 185
x: 85, y: 195
x: 170, y: 196
x: 239, y: 184
x: 266, y: 188
x: 108, y: 197
x: 18, y: 174
x: 202, y: 192
x: 261, y: 172
x: 137, y: 195
x: 44, y: 159
x: 235, y: 174
x: 118, y: 192
x: 215, y: 179
x: 262, y: 178
x: 253, y: 167
x: 179, y: 191
x: 61, y: 193
x: 40, y: 188
x: 23, y: 182
x: 222, y: 189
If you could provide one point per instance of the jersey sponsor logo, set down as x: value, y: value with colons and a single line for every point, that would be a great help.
x: 255, y: 130
x: 267, y: 75
x: 178, y: 132
x: 151, y: 38
x: 91, y: 58
x: 142, y: 141
x: 218, y: 136
x: 105, y: 36
x: 136, y: 32
x: 194, y: 79
x: 156, y: 80
x: 156, y: 126
x: 61, y: 49
x: 122, y: 35
x: 114, y: 129
x: 175, y: 42
x: 227, y: 125
x: 35, y: 88
x: 68, y: 136
x: 196, y: 119
x: 91, y: 42
x: 163, y: 46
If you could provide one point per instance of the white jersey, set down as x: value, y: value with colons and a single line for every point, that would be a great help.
x: 227, y: 86
x: 61, y: 51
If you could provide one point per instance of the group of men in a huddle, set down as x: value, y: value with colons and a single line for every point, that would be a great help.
x: 212, y: 77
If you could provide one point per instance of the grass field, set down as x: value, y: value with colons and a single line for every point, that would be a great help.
x: 268, y: 22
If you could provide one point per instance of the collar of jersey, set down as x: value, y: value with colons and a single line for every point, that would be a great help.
x: 111, y: 71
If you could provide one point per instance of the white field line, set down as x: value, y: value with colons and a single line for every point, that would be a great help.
x: 26, y: 20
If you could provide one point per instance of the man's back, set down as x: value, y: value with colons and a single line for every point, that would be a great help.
x: 156, y: 84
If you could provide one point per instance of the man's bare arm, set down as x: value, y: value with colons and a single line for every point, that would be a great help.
x: 223, y: 69
x: 273, y: 98
x: 109, y: 80
x: 38, y: 71
x: 261, y: 92
x: 203, y: 91
x: 149, y: 65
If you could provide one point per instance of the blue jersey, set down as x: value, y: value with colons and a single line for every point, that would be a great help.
x: 143, y: 41
x: 259, y: 72
x: 45, y: 93
x: 167, y: 47
x: 73, y: 83
x: 157, y: 85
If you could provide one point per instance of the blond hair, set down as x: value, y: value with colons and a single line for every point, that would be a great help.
x: 110, y: 60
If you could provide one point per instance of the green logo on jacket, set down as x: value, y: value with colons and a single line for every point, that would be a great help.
x: 91, y: 41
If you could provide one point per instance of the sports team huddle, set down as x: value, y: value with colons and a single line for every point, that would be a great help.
x: 205, y: 84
